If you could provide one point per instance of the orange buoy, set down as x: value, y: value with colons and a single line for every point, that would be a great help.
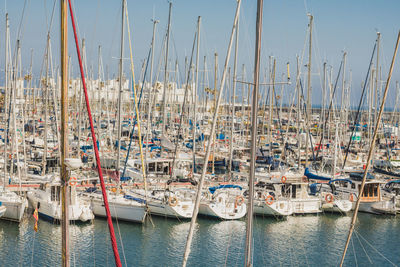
x: 72, y: 181
x: 329, y: 198
x: 269, y: 200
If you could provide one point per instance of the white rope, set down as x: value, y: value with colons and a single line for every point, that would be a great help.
x: 354, y: 252
x: 119, y: 234
x: 366, y: 241
x: 366, y: 254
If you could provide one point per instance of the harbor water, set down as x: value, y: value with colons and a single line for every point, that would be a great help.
x: 296, y: 241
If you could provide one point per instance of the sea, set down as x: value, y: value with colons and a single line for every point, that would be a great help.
x: 311, y: 240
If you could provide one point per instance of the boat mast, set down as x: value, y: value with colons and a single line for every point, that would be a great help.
x: 6, y: 104
x: 298, y: 112
x: 370, y: 152
x: 196, y: 90
x: 233, y: 100
x: 99, y: 83
x: 164, y: 118
x: 215, y: 106
x: 271, y: 110
x: 243, y: 88
x: 64, y: 139
x: 336, y: 150
x: 343, y: 119
x: 149, y: 108
x: 378, y: 44
x: 14, y: 100
x: 120, y: 90
x: 46, y: 103
x: 321, y: 145
x: 309, y: 109
x: 208, y: 150
x: 80, y: 109
x: 371, y: 93
x: 249, y: 229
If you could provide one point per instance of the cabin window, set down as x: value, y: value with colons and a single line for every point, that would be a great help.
x: 353, y: 186
x: 370, y: 190
x: 53, y: 193
x: 152, y: 167
x: 166, y: 169
x: 285, y: 190
x: 159, y: 167
x: 294, y: 191
x: 365, y: 192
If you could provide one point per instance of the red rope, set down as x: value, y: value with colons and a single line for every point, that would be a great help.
x: 96, y: 151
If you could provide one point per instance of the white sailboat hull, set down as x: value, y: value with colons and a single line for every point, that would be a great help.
x: 338, y: 206
x: 223, y: 212
x: 277, y: 208
x: 183, y: 210
x: 128, y: 211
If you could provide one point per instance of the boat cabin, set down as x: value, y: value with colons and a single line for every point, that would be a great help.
x: 155, y: 167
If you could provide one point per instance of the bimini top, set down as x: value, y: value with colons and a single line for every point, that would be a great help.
x: 214, y: 188
x: 338, y: 180
x: 310, y: 175
x: 358, y: 176
x: 393, y: 182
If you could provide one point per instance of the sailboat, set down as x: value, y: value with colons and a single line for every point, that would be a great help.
x: 268, y: 202
x: 225, y: 202
x: 122, y: 206
x: 14, y: 203
x: 47, y: 199
x: 174, y: 202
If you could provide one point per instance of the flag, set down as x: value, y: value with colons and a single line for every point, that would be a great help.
x: 36, y: 216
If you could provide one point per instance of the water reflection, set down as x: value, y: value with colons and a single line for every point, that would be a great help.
x: 297, y: 241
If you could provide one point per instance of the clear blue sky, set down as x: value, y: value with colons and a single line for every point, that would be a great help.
x: 338, y: 25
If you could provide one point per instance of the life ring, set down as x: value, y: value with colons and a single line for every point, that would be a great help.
x: 239, y: 201
x: 173, y: 201
x: 269, y: 200
x: 329, y: 198
x: 305, y: 179
x: 283, y: 179
x: 72, y: 181
x: 351, y: 198
x: 114, y: 189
